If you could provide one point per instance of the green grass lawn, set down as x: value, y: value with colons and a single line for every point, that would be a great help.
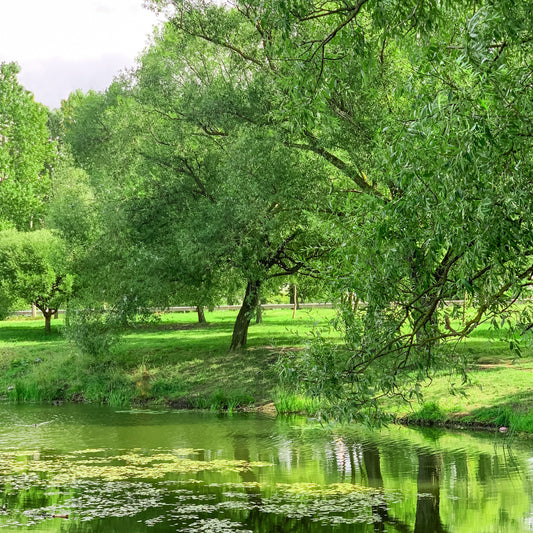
x: 177, y: 361
x: 498, y: 392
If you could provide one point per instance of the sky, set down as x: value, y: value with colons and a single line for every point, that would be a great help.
x: 64, y: 45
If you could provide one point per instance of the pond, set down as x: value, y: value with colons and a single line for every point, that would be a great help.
x: 79, y: 468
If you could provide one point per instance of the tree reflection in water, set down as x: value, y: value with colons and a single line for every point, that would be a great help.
x: 428, y: 504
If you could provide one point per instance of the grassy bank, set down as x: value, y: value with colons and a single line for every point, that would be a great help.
x: 174, y: 361
x: 179, y: 362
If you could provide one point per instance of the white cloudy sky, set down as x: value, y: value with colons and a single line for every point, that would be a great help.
x: 63, y: 45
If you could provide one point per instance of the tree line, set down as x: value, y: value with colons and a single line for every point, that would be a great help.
x: 380, y: 149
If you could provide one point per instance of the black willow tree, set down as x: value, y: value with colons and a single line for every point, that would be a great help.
x: 423, y: 111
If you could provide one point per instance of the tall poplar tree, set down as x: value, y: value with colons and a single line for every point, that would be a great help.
x: 25, y: 151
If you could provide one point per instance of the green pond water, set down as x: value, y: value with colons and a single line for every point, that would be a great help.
x: 78, y: 468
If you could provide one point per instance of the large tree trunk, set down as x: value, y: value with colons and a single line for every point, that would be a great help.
x: 249, y: 306
x: 201, y: 314
x: 47, y: 313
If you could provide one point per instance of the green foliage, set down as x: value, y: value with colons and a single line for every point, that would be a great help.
x: 70, y: 209
x: 6, y: 304
x: 223, y: 401
x: 91, y: 331
x: 83, y: 129
x: 167, y: 384
x: 522, y: 422
x: 429, y: 413
x: 512, y: 419
x: 33, y: 268
x: 95, y: 330
x: 17, y: 367
x: 287, y: 402
x: 25, y: 152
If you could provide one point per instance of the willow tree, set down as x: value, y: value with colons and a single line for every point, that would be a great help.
x: 203, y: 192
x: 425, y: 109
x: 247, y: 201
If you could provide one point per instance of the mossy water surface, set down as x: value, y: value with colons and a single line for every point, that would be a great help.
x: 81, y: 468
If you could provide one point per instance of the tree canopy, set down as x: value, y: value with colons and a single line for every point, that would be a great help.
x: 25, y: 152
x: 382, y: 146
x: 425, y: 108
x: 33, y: 268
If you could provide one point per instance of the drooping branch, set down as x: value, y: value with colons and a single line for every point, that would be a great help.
x: 403, y: 345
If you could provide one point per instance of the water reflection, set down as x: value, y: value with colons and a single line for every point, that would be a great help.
x: 179, y: 471
x: 374, y: 479
x: 428, y: 486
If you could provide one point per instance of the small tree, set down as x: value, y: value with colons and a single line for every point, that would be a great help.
x: 33, y: 268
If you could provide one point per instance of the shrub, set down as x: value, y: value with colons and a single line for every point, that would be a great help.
x: 430, y: 412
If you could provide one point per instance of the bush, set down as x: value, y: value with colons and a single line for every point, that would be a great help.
x: 91, y: 331
x: 430, y: 412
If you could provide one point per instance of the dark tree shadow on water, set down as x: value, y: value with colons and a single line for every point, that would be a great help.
x: 428, y: 486
x: 427, y: 518
x: 372, y: 462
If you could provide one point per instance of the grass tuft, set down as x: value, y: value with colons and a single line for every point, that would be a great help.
x: 430, y: 413
x: 289, y: 403
x: 222, y: 401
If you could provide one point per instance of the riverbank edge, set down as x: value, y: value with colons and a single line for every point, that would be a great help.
x: 192, y: 370
x: 467, y: 422
x: 464, y: 421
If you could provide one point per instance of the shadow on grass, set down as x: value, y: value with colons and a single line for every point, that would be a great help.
x: 521, y: 401
x: 176, y: 327
x: 29, y: 334
x: 515, y: 411
x: 250, y: 372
